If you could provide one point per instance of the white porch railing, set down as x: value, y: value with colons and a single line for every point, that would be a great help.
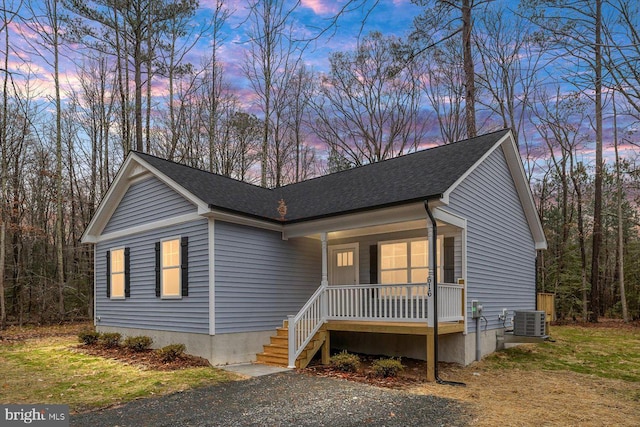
x: 389, y: 303
x: 450, y: 302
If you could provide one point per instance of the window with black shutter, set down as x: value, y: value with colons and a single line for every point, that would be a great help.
x: 172, y: 264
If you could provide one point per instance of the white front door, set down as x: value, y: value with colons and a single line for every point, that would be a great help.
x: 343, y: 264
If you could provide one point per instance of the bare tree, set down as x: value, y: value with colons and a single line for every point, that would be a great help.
x: 443, y: 85
x: 216, y: 93
x: 272, y: 60
x: 369, y: 104
x: 619, y: 202
x: 126, y: 31
x: 46, y: 22
x: 577, y: 28
x: 299, y: 94
x: 9, y: 13
x: 558, y: 119
x: 95, y: 102
x: 442, y: 20
x: 623, y: 48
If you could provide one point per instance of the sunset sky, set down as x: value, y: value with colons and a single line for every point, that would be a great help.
x: 391, y: 17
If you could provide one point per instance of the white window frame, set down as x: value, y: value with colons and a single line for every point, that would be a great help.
x: 112, y: 273
x: 163, y: 295
x: 408, y: 268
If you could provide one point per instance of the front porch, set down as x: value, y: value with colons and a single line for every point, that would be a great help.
x: 404, y: 309
x: 378, y: 271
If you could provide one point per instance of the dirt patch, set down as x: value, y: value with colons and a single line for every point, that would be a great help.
x: 540, y: 398
x: 13, y: 334
x: 147, y: 359
x: 515, y: 397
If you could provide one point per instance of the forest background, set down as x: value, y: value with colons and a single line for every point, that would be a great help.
x: 273, y: 92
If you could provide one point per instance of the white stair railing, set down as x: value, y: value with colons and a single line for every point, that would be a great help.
x: 389, y: 303
x: 304, y: 325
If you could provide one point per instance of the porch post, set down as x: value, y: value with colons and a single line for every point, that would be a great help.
x: 430, y: 306
x: 325, y: 274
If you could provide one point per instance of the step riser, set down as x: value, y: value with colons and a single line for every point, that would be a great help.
x: 270, y: 349
x: 282, y: 341
x: 277, y: 353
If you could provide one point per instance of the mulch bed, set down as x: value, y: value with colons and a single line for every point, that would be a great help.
x: 414, y: 373
x: 147, y: 359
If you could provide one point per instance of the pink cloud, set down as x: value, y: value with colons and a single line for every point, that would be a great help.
x: 320, y: 7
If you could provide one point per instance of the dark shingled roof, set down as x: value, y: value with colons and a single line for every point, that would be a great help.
x: 413, y: 177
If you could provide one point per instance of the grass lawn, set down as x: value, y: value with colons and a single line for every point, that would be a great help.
x: 49, y: 370
x: 607, y: 351
x: 590, y: 376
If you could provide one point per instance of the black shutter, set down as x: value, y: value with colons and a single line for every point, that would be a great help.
x: 157, y: 269
x: 108, y: 274
x: 373, y: 264
x: 184, y: 265
x: 127, y: 271
x: 449, y: 260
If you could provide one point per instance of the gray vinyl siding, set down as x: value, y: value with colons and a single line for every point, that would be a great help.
x: 500, y: 248
x: 143, y: 309
x: 260, y: 278
x: 365, y: 243
x: 141, y: 202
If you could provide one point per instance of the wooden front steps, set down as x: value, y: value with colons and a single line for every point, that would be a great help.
x: 277, y: 352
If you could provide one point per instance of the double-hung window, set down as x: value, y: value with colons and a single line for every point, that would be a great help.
x: 404, y: 261
x: 172, y: 276
x: 118, y: 283
x: 170, y: 268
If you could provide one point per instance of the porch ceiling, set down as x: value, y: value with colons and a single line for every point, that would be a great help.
x: 399, y: 218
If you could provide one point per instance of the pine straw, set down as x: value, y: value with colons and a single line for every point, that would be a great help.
x: 515, y: 397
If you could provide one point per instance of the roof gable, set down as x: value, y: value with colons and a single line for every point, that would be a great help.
x: 423, y: 175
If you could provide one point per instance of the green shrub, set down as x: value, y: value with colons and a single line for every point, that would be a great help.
x: 171, y: 352
x: 88, y: 337
x: 139, y: 343
x: 110, y: 339
x: 345, y: 362
x: 387, y: 367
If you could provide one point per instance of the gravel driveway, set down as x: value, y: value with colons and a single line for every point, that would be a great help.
x: 284, y: 399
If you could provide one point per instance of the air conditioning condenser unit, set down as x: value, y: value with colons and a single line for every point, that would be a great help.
x: 529, y: 323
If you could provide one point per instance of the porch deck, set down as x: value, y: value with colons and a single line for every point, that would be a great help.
x: 404, y: 309
x: 403, y: 328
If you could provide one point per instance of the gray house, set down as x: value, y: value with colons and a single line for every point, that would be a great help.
x: 238, y: 272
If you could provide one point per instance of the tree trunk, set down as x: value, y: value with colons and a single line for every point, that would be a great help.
x: 59, y: 210
x: 469, y: 72
x: 597, y: 206
x: 620, y: 249
x: 3, y: 176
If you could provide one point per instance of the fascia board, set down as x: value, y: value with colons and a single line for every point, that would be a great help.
x: 109, y: 202
x: 451, y: 189
x: 131, y: 171
x: 516, y: 169
x: 523, y: 188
